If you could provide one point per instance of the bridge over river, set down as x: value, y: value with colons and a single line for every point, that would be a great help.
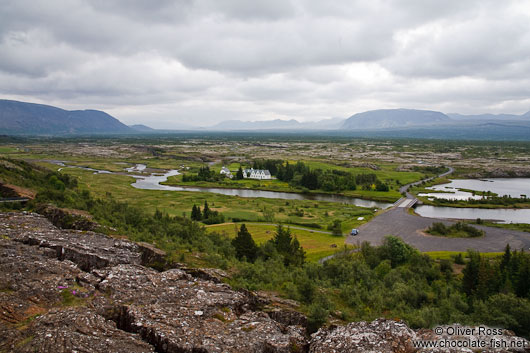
x: 399, y: 222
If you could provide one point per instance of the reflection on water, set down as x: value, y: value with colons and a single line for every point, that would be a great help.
x: 502, y: 215
x: 153, y: 181
x: 514, y: 187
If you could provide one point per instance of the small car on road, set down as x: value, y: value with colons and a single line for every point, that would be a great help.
x: 354, y: 231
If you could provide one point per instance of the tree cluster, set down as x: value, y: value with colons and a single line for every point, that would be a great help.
x: 511, y: 274
x: 425, y: 292
x: 301, y: 175
x: 282, y: 245
x: 204, y: 174
x: 207, y: 215
x: 459, y: 229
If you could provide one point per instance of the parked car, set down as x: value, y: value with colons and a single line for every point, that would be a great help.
x: 354, y: 231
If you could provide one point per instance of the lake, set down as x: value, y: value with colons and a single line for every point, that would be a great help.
x: 502, y: 215
x: 514, y: 187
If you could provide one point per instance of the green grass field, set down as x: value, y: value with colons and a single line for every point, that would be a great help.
x: 386, y: 173
x: 7, y: 150
x: 302, y: 212
x: 316, y: 245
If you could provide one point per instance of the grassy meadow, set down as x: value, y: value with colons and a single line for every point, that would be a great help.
x: 302, y: 212
x: 316, y: 245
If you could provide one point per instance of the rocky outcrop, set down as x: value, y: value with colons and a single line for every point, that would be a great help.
x: 177, y: 312
x: 94, y: 295
x: 378, y: 336
x: 387, y: 336
x: 78, y: 329
x: 88, y: 250
x: 500, y: 173
x: 152, y: 256
x: 67, y: 291
x: 68, y: 219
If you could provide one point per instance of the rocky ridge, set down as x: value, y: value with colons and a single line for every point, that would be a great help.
x: 67, y: 290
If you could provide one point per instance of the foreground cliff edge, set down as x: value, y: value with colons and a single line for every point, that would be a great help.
x: 66, y: 290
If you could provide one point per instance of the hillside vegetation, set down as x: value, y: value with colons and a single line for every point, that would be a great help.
x: 352, y: 286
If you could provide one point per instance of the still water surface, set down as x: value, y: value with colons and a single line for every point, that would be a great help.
x: 153, y: 181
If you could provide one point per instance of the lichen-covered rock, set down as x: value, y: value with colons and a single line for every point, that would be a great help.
x: 77, y: 329
x: 152, y: 256
x: 87, y: 249
x: 288, y: 317
x: 176, y: 328
x: 31, y: 281
x: 68, y: 219
x: 68, y: 291
x: 494, y: 339
x: 209, y: 274
x: 377, y: 336
x: 384, y: 335
x: 177, y: 312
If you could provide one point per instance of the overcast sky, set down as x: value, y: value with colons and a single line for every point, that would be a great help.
x: 165, y: 63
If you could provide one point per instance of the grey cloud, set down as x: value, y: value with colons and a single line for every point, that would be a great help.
x: 210, y: 60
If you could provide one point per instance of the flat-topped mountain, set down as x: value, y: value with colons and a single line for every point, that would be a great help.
x: 29, y: 118
x: 394, y: 118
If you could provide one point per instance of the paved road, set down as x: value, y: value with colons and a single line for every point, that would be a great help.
x: 405, y: 188
x: 397, y: 221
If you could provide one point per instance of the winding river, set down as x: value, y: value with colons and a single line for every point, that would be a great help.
x: 152, y: 182
x: 514, y: 185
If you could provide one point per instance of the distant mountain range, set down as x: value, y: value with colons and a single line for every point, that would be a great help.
x: 490, y: 117
x: 37, y: 119
x: 277, y: 124
x: 141, y: 128
x: 383, y: 119
x: 29, y: 118
x: 394, y: 118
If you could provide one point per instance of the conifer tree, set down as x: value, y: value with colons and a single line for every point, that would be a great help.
x: 206, y: 211
x: 290, y: 248
x: 196, y: 213
x: 245, y: 245
x: 239, y: 174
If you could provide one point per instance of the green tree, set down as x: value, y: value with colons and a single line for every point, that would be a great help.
x: 505, y: 262
x: 206, y: 210
x: 471, y: 273
x: 336, y: 228
x: 396, y: 250
x: 282, y: 239
x: 196, y: 214
x: 239, y: 174
x: 288, y: 246
x: 244, y: 245
x: 317, y: 317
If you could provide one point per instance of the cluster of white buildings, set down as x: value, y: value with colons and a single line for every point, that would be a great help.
x: 259, y: 174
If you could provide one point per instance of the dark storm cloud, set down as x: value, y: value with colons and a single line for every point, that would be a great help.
x: 265, y: 59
